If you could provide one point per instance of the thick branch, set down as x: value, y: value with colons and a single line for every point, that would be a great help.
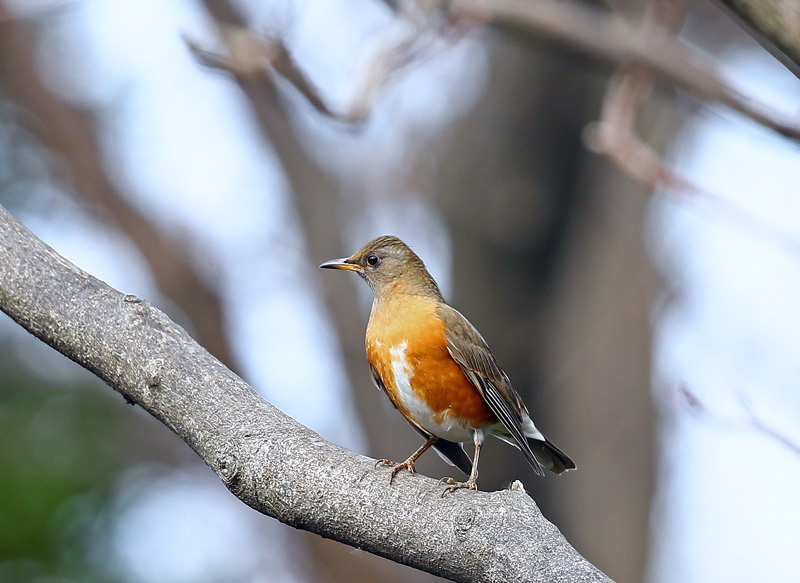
x: 268, y: 460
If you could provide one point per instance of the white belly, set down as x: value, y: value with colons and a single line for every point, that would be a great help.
x: 446, y: 427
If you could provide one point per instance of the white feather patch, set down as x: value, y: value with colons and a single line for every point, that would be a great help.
x: 450, y: 429
x: 529, y: 429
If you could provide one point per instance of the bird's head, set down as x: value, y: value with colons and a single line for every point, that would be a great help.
x: 386, y: 263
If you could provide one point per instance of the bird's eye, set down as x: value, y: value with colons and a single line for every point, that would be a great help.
x: 372, y: 260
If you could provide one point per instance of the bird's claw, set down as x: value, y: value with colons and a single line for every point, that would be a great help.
x: 455, y: 485
x: 396, y: 468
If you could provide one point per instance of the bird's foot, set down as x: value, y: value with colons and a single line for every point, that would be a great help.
x: 396, y: 468
x: 454, y: 485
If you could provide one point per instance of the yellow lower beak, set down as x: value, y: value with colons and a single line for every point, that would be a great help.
x: 341, y: 264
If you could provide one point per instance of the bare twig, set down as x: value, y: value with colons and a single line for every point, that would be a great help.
x: 613, y: 39
x: 247, y: 54
x: 428, y: 22
x: 614, y: 135
x: 758, y: 424
x: 599, y: 34
x: 265, y: 458
x: 698, y: 407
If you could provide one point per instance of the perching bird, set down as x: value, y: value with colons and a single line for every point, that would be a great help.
x: 437, y: 369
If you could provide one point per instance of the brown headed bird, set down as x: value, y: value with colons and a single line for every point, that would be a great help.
x: 437, y: 369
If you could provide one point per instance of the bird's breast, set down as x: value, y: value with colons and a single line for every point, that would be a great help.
x: 407, y: 347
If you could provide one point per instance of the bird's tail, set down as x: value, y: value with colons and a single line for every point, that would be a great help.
x: 550, y: 456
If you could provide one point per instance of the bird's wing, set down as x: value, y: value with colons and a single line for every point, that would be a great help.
x: 468, y: 348
x: 450, y: 451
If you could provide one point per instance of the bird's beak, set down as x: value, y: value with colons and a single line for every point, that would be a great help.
x: 341, y: 264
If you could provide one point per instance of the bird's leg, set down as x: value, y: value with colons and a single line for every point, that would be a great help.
x: 409, y: 463
x: 473, y: 475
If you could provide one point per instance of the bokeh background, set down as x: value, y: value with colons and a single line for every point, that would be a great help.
x: 653, y: 334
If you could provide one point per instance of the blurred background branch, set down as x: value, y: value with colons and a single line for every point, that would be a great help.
x: 70, y: 131
x: 651, y: 46
x: 774, y: 23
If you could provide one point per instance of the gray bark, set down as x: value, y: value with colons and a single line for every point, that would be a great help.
x: 269, y: 461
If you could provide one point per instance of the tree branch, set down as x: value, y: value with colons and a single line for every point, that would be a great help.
x: 268, y: 460
x: 631, y: 85
x: 599, y: 34
x: 773, y: 23
x: 614, y: 39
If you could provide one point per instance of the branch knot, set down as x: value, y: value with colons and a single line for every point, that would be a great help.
x: 464, y: 521
x: 228, y: 469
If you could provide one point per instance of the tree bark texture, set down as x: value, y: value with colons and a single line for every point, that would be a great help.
x: 269, y: 461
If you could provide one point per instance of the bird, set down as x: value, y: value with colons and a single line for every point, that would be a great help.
x: 437, y: 369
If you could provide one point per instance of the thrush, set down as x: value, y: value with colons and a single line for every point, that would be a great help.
x: 437, y: 369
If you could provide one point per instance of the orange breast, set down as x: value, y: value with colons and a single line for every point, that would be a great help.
x: 406, y: 345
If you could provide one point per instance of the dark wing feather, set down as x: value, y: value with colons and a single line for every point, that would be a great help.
x: 378, y: 382
x: 468, y: 348
x: 451, y: 452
